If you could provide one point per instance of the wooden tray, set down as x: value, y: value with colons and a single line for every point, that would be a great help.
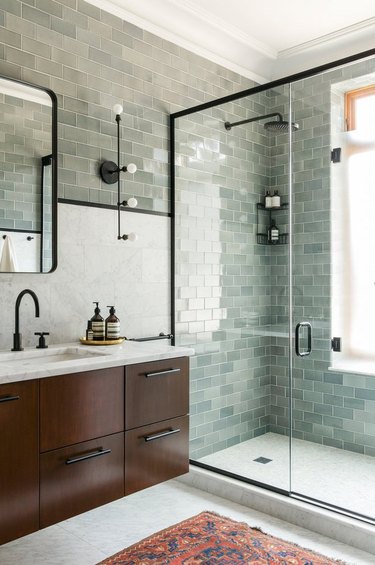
x: 85, y: 341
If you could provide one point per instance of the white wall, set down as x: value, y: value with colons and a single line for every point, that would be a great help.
x: 94, y: 265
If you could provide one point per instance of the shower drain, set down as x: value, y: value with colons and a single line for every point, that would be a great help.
x: 263, y: 460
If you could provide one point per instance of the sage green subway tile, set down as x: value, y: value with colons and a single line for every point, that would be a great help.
x: 350, y: 446
x: 66, y: 28
x: 75, y: 76
x: 332, y: 442
x: 74, y: 192
x: 36, y: 16
x: 355, y: 403
x: 364, y: 439
x: 50, y: 7
x: 9, y: 37
x: 88, y: 9
x: 364, y: 394
x: 49, y: 67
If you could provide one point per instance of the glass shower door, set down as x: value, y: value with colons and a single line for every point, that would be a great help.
x: 332, y: 398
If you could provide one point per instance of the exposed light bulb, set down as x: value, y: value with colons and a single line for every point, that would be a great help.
x: 118, y: 109
x: 132, y: 202
x: 131, y: 168
x: 132, y: 236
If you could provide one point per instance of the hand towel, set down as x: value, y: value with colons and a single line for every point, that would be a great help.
x: 8, y: 260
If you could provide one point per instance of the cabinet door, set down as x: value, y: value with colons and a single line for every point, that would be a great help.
x: 80, y: 477
x: 81, y: 406
x: 19, y: 483
x: 156, y: 391
x: 156, y: 453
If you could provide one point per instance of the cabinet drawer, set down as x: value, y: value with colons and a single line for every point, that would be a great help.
x: 80, y: 477
x: 156, y: 391
x: 81, y: 406
x: 19, y: 460
x: 156, y: 453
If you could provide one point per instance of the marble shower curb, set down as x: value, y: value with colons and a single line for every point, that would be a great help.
x: 331, y: 524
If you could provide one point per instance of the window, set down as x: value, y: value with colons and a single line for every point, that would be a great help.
x: 360, y: 108
x: 358, y: 232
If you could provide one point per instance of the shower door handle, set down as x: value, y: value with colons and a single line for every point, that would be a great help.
x: 308, y: 350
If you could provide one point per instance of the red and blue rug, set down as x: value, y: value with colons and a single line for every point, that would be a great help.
x: 214, y: 540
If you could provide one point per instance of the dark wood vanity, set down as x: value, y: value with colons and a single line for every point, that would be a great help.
x: 76, y: 441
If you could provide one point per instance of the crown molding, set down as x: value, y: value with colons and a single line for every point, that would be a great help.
x: 344, y: 33
x: 228, y: 30
x: 195, y: 29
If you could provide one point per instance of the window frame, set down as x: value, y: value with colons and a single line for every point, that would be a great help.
x: 351, y: 98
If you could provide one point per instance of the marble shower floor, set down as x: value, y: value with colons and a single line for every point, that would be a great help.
x: 90, y: 537
x: 334, y: 476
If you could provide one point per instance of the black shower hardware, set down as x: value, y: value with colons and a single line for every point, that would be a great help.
x: 298, y: 349
x: 110, y: 173
x: 278, y: 126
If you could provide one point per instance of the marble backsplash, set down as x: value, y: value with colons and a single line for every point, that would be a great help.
x: 94, y: 266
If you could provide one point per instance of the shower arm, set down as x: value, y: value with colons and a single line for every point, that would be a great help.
x: 228, y: 125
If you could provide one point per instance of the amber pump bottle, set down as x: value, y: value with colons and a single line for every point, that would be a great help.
x: 98, y: 324
x: 112, y: 325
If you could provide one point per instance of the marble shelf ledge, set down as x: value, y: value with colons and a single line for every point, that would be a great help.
x: 353, y: 366
x: 273, y: 330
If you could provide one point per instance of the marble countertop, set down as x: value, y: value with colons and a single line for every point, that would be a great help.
x: 68, y: 358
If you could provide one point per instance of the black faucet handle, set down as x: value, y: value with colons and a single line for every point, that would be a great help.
x: 42, y: 341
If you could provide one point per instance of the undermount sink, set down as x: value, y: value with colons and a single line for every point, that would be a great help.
x: 53, y: 355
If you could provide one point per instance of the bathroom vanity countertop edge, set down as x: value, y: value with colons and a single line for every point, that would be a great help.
x: 128, y: 353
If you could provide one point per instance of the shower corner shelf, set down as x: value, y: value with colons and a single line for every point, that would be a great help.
x: 262, y: 238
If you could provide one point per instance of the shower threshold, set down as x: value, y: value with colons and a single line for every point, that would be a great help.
x: 338, y: 478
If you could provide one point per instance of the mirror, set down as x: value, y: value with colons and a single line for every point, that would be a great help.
x: 28, y: 178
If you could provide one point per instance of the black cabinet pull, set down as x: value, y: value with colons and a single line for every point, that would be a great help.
x: 159, y: 373
x: 152, y: 437
x: 9, y: 398
x: 308, y: 350
x: 88, y: 456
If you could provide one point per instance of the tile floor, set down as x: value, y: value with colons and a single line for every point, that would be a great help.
x: 318, y: 471
x: 90, y: 537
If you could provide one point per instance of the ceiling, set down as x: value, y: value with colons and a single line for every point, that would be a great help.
x: 261, y: 39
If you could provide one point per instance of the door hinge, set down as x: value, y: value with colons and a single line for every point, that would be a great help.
x: 336, y: 155
x: 336, y: 344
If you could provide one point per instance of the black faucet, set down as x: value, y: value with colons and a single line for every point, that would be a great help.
x: 17, y: 336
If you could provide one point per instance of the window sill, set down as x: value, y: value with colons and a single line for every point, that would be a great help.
x: 354, y: 365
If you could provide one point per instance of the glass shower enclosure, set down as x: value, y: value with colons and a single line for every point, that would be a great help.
x: 277, y: 295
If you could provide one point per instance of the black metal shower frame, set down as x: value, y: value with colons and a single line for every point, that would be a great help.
x: 201, y: 107
x: 230, y: 98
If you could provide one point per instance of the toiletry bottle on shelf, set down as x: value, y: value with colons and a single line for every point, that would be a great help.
x: 268, y: 200
x: 112, y: 325
x: 89, y: 332
x: 98, y: 324
x: 273, y: 233
x: 276, y: 201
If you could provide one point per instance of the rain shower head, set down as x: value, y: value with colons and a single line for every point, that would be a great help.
x: 278, y: 126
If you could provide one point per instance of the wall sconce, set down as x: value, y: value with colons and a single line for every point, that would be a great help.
x: 110, y: 173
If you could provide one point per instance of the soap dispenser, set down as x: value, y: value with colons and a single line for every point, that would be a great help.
x: 112, y: 325
x: 97, y: 324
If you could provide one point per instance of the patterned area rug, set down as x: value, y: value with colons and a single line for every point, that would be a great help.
x: 214, y: 540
